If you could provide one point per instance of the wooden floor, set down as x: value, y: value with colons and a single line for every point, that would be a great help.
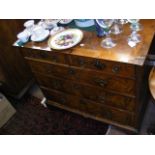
x: 149, y: 118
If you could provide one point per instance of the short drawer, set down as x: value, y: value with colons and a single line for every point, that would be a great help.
x: 89, y: 107
x: 114, y: 68
x: 88, y: 92
x: 51, y: 56
x: 101, y: 80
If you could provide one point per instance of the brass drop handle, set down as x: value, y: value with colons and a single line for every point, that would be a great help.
x: 43, y: 54
x: 71, y: 71
x: 99, y: 65
x: 102, y: 99
x: 76, y: 87
x: 116, y: 69
x: 49, y: 70
x: 81, y: 62
x: 62, y: 100
x: 54, y: 58
x: 101, y: 82
x: 128, y: 120
x: 56, y: 84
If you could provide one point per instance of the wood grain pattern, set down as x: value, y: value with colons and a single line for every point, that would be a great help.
x: 60, y: 58
x: 113, y: 68
x: 104, y: 81
x: 108, y: 85
x: 89, y: 107
x: 87, y: 91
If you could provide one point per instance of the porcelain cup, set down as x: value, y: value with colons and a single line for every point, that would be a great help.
x: 29, y: 25
x: 38, y: 31
x: 23, y: 36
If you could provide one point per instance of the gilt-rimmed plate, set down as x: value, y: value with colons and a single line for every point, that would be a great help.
x: 65, y: 39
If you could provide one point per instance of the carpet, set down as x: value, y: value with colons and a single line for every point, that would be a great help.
x: 33, y: 119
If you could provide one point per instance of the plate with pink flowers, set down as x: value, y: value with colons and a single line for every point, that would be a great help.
x: 65, y: 39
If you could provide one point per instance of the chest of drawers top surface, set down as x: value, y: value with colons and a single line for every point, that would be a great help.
x: 121, y: 53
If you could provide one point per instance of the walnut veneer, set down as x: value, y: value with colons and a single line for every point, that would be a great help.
x: 108, y: 85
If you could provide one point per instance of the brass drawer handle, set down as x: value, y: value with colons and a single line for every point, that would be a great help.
x: 43, y: 55
x: 99, y: 65
x: 128, y: 120
x: 71, y: 71
x: 63, y: 100
x: 54, y: 59
x: 49, y: 71
x: 108, y: 114
x: 101, y: 82
x: 102, y: 99
x: 116, y: 69
x: 76, y: 87
x: 81, y: 62
x: 56, y: 84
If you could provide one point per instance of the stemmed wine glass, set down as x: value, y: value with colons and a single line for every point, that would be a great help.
x: 117, y: 27
x: 106, y: 25
x: 123, y: 21
x: 135, y: 27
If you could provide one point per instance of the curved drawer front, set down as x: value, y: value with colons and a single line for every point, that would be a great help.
x: 89, y: 107
x: 88, y: 92
x: 104, y: 81
x: 113, y: 68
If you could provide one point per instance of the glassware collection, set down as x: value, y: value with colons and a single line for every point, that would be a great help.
x: 106, y: 24
x: 104, y: 28
x: 115, y: 26
x: 135, y: 27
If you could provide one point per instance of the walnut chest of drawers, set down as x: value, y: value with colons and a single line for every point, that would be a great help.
x: 108, y: 85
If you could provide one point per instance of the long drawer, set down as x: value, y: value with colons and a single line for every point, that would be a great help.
x: 104, y: 81
x: 113, y: 68
x: 87, y: 91
x: 89, y: 107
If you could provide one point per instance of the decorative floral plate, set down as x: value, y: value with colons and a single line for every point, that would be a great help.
x: 65, y: 39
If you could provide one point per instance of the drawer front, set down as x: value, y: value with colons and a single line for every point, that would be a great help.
x: 86, y: 91
x: 104, y: 81
x: 57, y: 57
x: 114, y: 68
x: 89, y: 107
